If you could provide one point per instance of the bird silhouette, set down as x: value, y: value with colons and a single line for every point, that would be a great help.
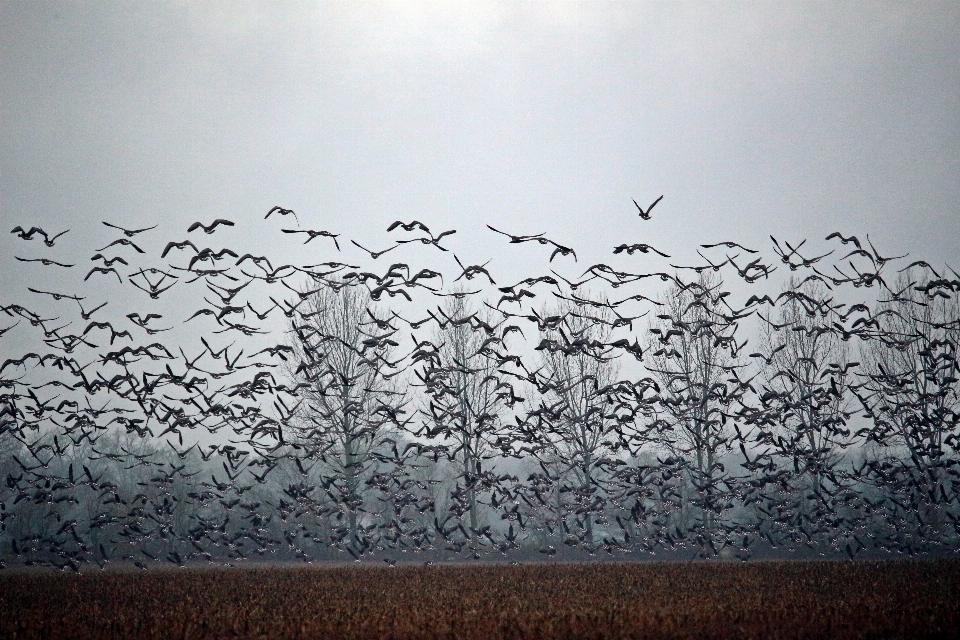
x: 878, y: 258
x: 178, y: 245
x: 28, y: 235
x: 730, y: 245
x: 103, y: 270
x: 473, y: 270
x: 44, y: 261
x: 56, y: 296
x: 408, y: 226
x: 86, y: 315
x: 646, y: 214
x: 558, y: 249
x: 314, y: 234
x: 852, y: 239
x: 516, y: 239
x: 642, y: 248
x: 109, y: 262
x: 210, y: 228
x: 431, y: 240
x: 124, y: 242
x: 375, y: 254
x: 282, y: 212
x: 129, y: 232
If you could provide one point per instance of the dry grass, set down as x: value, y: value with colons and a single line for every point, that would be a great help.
x: 713, y: 600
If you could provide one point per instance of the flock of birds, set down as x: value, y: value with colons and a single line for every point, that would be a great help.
x: 331, y: 408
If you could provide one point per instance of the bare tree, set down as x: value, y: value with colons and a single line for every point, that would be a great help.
x: 575, y: 427
x: 912, y: 397
x: 693, y: 356
x: 466, y: 398
x: 350, y: 402
x: 806, y: 402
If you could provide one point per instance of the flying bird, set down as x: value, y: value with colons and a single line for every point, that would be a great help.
x: 314, y: 234
x: 431, y: 240
x: 128, y: 232
x: 114, y: 334
x: 642, y: 248
x: 646, y: 214
x: 408, y: 226
x: 56, y: 296
x: 283, y: 212
x: 729, y: 245
x: 210, y: 228
x: 473, y: 270
x: 5, y: 329
x: 103, y: 270
x: 178, y: 245
x: 880, y: 259
x: 852, y: 239
x: 559, y: 249
x: 516, y: 239
x: 142, y: 321
x: 257, y: 260
x: 153, y: 290
x: 28, y: 235
x: 752, y: 300
x: 44, y: 261
x: 209, y: 254
x: 109, y: 263
x: 123, y: 241
x: 375, y: 254
x: 920, y: 263
x: 86, y: 314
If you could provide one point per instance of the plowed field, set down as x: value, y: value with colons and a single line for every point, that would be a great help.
x: 864, y: 599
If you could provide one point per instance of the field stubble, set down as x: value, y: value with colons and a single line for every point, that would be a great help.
x: 864, y: 599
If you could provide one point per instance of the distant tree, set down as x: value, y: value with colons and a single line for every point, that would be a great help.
x: 9, y: 468
x: 575, y: 429
x: 693, y: 356
x: 350, y: 403
x: 912, y: 396
x: 806, y: 403
x: 466, y: 398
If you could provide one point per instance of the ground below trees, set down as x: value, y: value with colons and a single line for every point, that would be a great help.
x: 863, y: 599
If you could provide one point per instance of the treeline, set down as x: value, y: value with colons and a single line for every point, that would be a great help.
x: 396, y: 416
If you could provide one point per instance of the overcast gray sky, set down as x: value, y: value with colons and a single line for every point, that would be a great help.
x: 790, y: 118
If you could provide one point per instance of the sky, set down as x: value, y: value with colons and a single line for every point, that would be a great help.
x: 751, y: 119
x: 794, y: 119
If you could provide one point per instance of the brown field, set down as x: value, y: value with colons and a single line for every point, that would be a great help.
x: 864, y: 599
